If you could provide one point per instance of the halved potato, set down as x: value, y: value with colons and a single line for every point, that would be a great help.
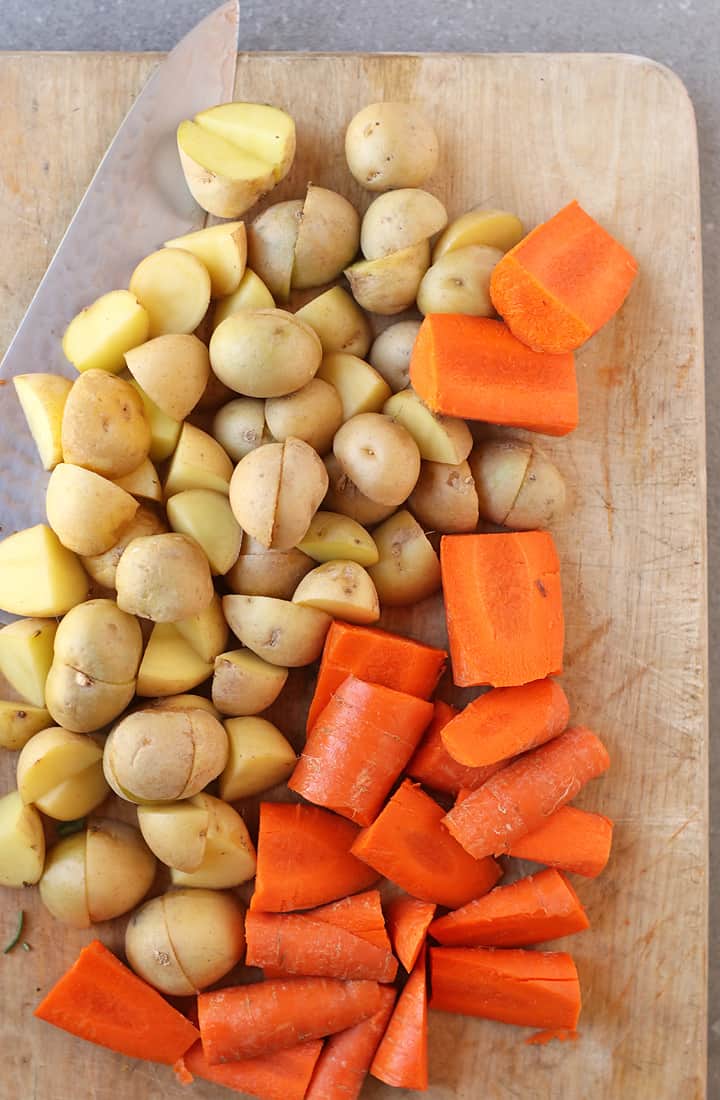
x: 262, y: 572
x: 250, y: 294
x: 38, y: 575
x: 222, y: 178
x: 207, y: 517
x: 42, y: 398
x: 264, y: 352
x: 103, y: 567
x: 229, y: 858
x: 389, y: 285
x: 143, y: 482
x: 459, y: 282
x: 341, y: 588
x: 517, y: 484
x: 26, y: 653
x: 223, y: 251
x: 313, y: 413
x: 391, y: 351
x: 206, y: 632
x: 245, y: 684
x: 445, y: 499
x: 327, y: 240
x: 359, y: 386
x: 265, y: 131
x: 175, y: 832
x: 272, y: 236
x: 239, y: 426
x: 119, y: 868
x: 86, y: 511
x: 170, y: 664
x: 343, y: 496
x: 542, y: 496
x: 439, y: 438
x: 173, y: 370
x: 408, y: 570
x: 98, y: 337
x: 338, y: 321
x: 400, y: 219
x: 260, y: 757
x: 61, y: 773
x: 276, y: 490
x: 104, y: 426
x: 164, y: 431
x: 19, y: 722
x: 164, y: 578
x: 198, y: 462
x: 333, y: 536
x: 63, y: 886
x: 495, y: 228
x: 173, y: 286
x: 279, y: 631
x: 22, y: 842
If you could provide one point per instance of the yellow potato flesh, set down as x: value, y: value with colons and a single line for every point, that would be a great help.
x: 38, y: 575
x: 19, y: 722
x: 143, y: 482
x: 494, y: 228
x: 207, y: 517
x: 98, y: 338
x: 332, y: 536
x: 260, y: 758
x: 170, y: 664
x: 250, y: 294
x: 215, y: 153
x: 408, y: 570
x: 22, y: 842
x: 206, y: 632
x: 175, y: 832
x: 63, y: 884
x: 174, y: 288
x: 76, y: 796
x: 164, y: 431
x: 26, y: 653
x: 341, y: 588
x: 199, y: 462
x: 50, y: 758
x: 245, y: 684
x: 439, y: 438
x: 119, y: 868
x: 389, y: 285
x: 42, y: 398
x: 86, y: 511
x: 229, y: 858
x: 359, y: 386
x: 223, y: 251
x: 261, y: 130
x: 339, y: 322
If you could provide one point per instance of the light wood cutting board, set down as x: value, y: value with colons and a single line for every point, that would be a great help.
x: 526, y: 133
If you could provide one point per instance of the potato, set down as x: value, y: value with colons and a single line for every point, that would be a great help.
x: 229, y: 858
x: 199, y: 462
x: 103, y: 567
x: 42, y: 399
x: 245, y: 684
x: 186, y: 940
x: 264, y: 352
x: 119, y: 868
x: 174, y: 288
x: 332, y: 536
x: 343, y: 496
x: 206, y: 516
x: 22, y: 842
x: 494, y: 228
x: 389, y: 285
x: 343, y: 589
x: 260, y: 758
x: 143, y: 482
x: 439, y: 438
x: 391, y: 351
x: 104, y: 427
x: 98, y: 337
x: 61, y: 773
x: 26, y: 653
x: 19, y: 722
x: 173, y: 370
x: 164, y: 578
x: 250, y: 294
x: 313, y: 413
x: 272, y: 236
x: 338, y: 321
x: 445, y: 498
x: 63, y: 886
x: 175, y: 832
x: 182, y: 702
x: 239, y: 426
x: 262, y: 572
x: 408, y: 570
x: 400, y: 219
x: 459, y: 282
x: 359, y: 386
x: 517, y: 485
x: 170, y: 663
x: 257, y: 128
x: 542, y: 496
x: 391, y: 145
x: 207, y: 632
x: 86, y: 511
x: 223, y: 251
x: 281, y: 632
x: 276, y: 490
x: 84, y: 704
x: 160, y: 755
x: 327, y: 240
x: 164, y: 431
x: 38, y: 575
x: 380, y: 456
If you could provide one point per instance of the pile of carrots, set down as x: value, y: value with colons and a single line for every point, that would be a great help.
x: 397, y: 786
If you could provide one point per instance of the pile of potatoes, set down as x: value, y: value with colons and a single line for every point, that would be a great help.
x: 240, y: 460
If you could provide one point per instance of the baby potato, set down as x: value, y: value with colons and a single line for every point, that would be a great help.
x: 98, y: 337
x: 143, y: 482
x: 207, y: 517
x: 164, y: 431
x: 391, y: 144
x: 391, y: 351
x: 517, y: 485
x: 244, y: 684
x: 258, y: 129
x: 86, y: 511
x: 494, y: 228
x: 26, y: 653
x: 389, y: 285
x: 281, y: 632
x: 239, y: 426
x: 199, y: 462
x: 22, y: 842
x: 380, y: 456
x: 313, y: 413
x: 327, y: 239
x: 63, y: 886
x: 264, y: 353
x: 332, y: 536
x: 170, y: 663
x: 173, y: 370
x: 38, y: 575
x: 175, y: 832
x: 207, y: 632
x: 182, y: 702
x: 343, y: 496
x: 341, y: 588
x: 84, y: 704
x: 119, y: 868
x: 42, y: 399
x: 445, y: 498
x: 104, y: 427
x: 439, y: 438
x: 542, y: 496
x: 250, y: 294
x: 61, y: 773
x: 223, y: 251
x: 459, y: 282
x: 103, y: 567
x: 408, y: 570
x: 229, y: 858
x: 338, y: 321
x: 400, y: 219
x: 260, y: 758
x: 164, y: 578
x: 19, y: 722
x: 359, y: 387
x: 272, y: 236
x: 262, y: 572
x: 173, y: 287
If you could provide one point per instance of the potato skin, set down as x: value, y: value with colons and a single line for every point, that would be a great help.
x: 239, y: 426
x: 380, y: 456
x: 389, y: 285
x: 173, y: 370
x: 103, y: 567
x: 391, y: 351
x: 264, y: 352
x: 391, y: 144
x: 276, y: 490
x: 271, y: 245
x: 244, y: 684
x: 104, y: 427
x: 399, y: 219
x: 408, y: 570
x: 445, y: 499
x: 327, y: 240
x: 262, y: 572
x: 281, y: 632
x: 341, y: 588
x: 86, y: 511
x: 313, y: 413
x: 338, y: 321
x: 164, y: 578
x: 345, y: 497
x: 119, y: 868
x: 459, y: 282
x: 517, y: 484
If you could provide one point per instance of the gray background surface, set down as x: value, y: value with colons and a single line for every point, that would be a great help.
x: 684, y: 34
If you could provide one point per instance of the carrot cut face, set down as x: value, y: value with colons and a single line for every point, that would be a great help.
x: 408, y: 920
x: 283, y: 1075
x: 570, y: 840
x: 433, y: 766
x: 344, y: 1063
x: 360, y: 914
x: 402, y: 1057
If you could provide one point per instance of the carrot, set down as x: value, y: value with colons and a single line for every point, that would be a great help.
x: 294, y: 943
x: 530, y: 988
x: 343, y: 1065
x: 571, y: 840
x: 284, y: 1075
x: 358, y: 747
x: 521, y: 796
x: 408, y: 844
x: 377, y: 657
x: 532, y: 910
x: 360, y: 914
x: 433, y: 766
x: 562, y: 282
x: 503, y: 604
x: 475, y: 368
x: 249, y: 1020
x: 401, y: 1059
x: 507, y: 721
x: 408, y: 921
x: 100, y: 1000
x: 304, y: 859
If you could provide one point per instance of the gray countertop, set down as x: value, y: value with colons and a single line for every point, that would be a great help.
x: 683, y: 34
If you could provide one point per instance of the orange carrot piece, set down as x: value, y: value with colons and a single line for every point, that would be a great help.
x: 358, y: 747
x: 361, y: 914
x: 530, y: 988
x: 505, y: 722
x: 285, y: 944
x: 344, y: 1063
x: 503, y: 604
x: 562, y: 282
x: 433, y: 766
x: 408, y: 921
x: 475, y: 368
x: 408, y: 844
x: 249, y: 1020
x: 532, y: 910
x: 100, y: 1000
x: 304, y: 859
x: 283, y: 1075
x: 521, y: 796
x: 377, y: 657
x: 570, y: 840
x: 401, y: 1059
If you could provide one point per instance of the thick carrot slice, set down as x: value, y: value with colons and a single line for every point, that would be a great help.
x: 102, y: 1001
x: 377, y: 657
x: 284, y: 1075
x: 358, y: 747
x: 401, y: 1059
x: 408, y: 921
x: 251, y: 1020
x: 344, y: 1063
x: 409, y: 845
x: 530, y: 988
x: 506, y: 722
x: 295, y: 943
x: 503, y: 604
x: 360, y: 914
x: 521, y: 796
x: 570, y: 840
x: 304, y: 859
x: 475, y: 368
x: 433, y: 766
x: 532, y: 910
x: 562, y: 282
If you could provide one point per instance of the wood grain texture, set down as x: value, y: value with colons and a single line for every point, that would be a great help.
x: 528, y: 133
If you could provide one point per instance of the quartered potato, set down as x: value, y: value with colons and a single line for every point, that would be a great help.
x: 327, y: 240
x: 38, y: 575
x: 207, y: 517
x: 359, y: 386
x: 198, y: 462
x: 276, y: 490
x: 493, y: 228
x: 26, y: 653
x: 61, y: 773
x: 390, y: 284
x: 333, y: 536
x: 272, y: 236
x: 250, y: 294
x: 408, y: 570
x: 143, y: 482
x: 262, y: 572
x: 207, y: 632
x: 223, y: 251
x: 391, y: 351
x: 445, y: 499
x: 22, y: 842
x: 42, y: 399
x: 99, y: 337
x: 173, y: 287
x: 279, y: 631
x: 86, y: 511
x: 229, y: 857
x: 170, y: 663
x: 439, y: 438
x: 338, y: 321
x: 260, y: 758
x: 341, y: 588
x: 173, y: 370
x: 244, y: 683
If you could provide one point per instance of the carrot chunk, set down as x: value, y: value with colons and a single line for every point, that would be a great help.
x: 283, y: 1075
x: 408, y: 921
x: 570, y: 840
x: 296, y: 944
x: 433, y: 766
x: 344, y: 1063
x: 401, y: 1059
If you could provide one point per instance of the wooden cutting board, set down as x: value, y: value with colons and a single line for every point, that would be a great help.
x: 526, y: 133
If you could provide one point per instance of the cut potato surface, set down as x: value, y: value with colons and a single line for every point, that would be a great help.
x: 494, y: 228
x: 250, y: 294
x: 341, y: 588
x: 223, y: 251
x: 22, y: 842
x: 223, y: 179
x: 61, y: 773
x: 19, y: 722
x: 104, y: 426
x: 206, y: 632
x: 338, y: 321
x: 264, y: 353
x: 42, y: 399
x: 359, y: 386
x: 333, y: 536
x: 164, y: 431
x: 245, y: 684
x: 26, y: 653
x: 229, y: 858
x: 198, y: 462
x: 173, y: 286
x: 86, y: 511
x: 38, y: 575
x: 207, y: 517
x: 439, y: 438
x: 98, y: 338
x: 390, y: 284
x: 170, y: 664
x: 173, y: 370
x: 143, y: 482
x: 260, y: 757
x: 279, y: 631
x: 264, y: 131
x: 408, y: 570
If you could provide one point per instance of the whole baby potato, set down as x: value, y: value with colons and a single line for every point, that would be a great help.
x: 164, y: 578
x: 338, y: 321
x: 391, y: 351
x: 264, y: 352
x: 86, y: 511
x: 390, y: 284
x: 517, y: 485
x: 380, y: 456
x: 327, y: 240
x: 399, y: 219
x: 239, y: 426
x: 445, y: 499
x: 271, y: 241
x: 104, y: 427
x: 262, y: 572
x: 343, y: 496
x: 281, y: 632
x: 391, y: 144
x: 103, y: 567
x: 173, y: 370
x: 313, y: 413
x: 459, y: 282
x: 408, y: 570
x: 276, y: 490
